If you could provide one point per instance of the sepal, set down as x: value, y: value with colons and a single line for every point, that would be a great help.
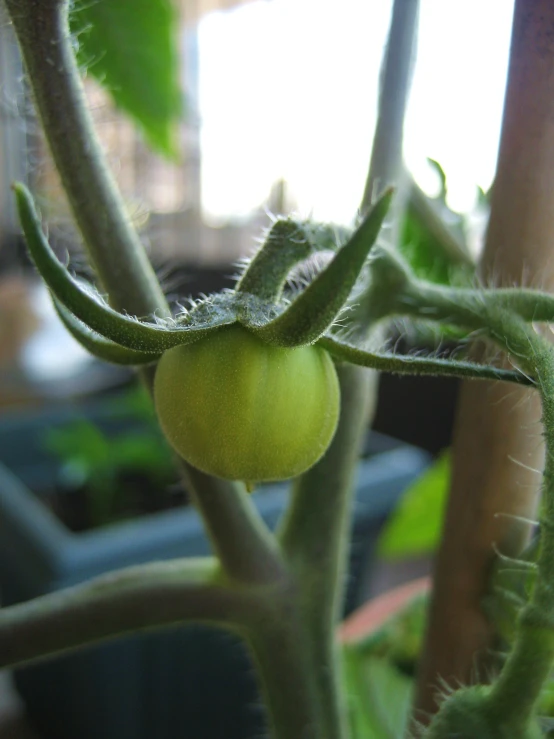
x: 286, y: 245
x: 98, y: 316
x: 417, y: 365
x: 318, y: 306
x: 97, y: 345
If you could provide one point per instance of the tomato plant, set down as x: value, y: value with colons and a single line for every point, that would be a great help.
x: 240, y: 409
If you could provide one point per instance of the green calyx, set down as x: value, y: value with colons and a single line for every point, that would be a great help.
x: 286, y: 245
x: 88, y: 308
x: 319, y: 305
x: 257, y: 303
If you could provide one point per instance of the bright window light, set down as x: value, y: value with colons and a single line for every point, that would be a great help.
x: 288, y: 90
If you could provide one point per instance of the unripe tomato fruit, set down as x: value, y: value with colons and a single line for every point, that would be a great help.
x: 238, y: 408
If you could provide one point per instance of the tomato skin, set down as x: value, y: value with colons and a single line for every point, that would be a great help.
x: 238, y: 408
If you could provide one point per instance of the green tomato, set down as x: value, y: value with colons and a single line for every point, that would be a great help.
x: 238, y: 408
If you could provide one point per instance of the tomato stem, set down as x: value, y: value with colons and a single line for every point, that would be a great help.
x: 315, y: 541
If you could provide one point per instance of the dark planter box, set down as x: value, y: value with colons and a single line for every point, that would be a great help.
x: 187, y: 682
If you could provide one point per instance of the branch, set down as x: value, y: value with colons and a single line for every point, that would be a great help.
x: 493, y: 424
x: 118, y: 256
x: 315, y: 535
x: 515, y: 694
x: 386, y: 167
x: 247, y: 549
x: 133, y: 599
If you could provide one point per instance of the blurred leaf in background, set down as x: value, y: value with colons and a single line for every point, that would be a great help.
x: 434, y: 236
x: 378, y: 696
x: 131, y: 48
x: 414, y: 528
x: 91, y: 457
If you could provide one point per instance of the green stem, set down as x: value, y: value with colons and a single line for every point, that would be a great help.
x: 386, y: 166
x: 142, y: 597
x: 242, y: 541
x: 115, y: 249
x: 515, y: 694
x: 280, y: 652
x: 441, y: 302
x: 315, y: 536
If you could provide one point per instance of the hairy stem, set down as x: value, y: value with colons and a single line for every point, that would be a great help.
x: 493, y: 422
x: 114, y: 247
x: 315, y: 540
x: 315, y: 537
x: 136, y: 598
x: 515, y: 694
x: 241, y: 539
x: 281, y: 653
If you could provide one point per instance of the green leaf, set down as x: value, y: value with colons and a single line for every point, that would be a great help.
x: 130, y: 46
x: 415, y: 526
x: 378, y: 697
x: 426, y: 255
x: 433, y: 239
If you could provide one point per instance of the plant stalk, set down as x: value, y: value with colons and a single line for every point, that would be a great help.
x: 315, y: 536
x: 386, y: 164
x: 118, y: 256
x: 129, y: 600
x: 493, y: 422
x: 281, y: 654
x: 114, y: 247
x: 515, y: 694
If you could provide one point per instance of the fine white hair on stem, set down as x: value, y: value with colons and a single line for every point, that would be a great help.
x: 515, y: 517
x: 525, y: 466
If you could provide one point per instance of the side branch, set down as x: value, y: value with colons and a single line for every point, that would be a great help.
x: 515, y: 695
x: 133, y: 599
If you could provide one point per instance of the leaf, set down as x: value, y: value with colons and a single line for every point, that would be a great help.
x: 427, y: 256
x: 399, y: 639
x: 415, y: 526
x: 433, y: 237
x: 378, y: 697
x: 130, y: 47
x: 79, y: 442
